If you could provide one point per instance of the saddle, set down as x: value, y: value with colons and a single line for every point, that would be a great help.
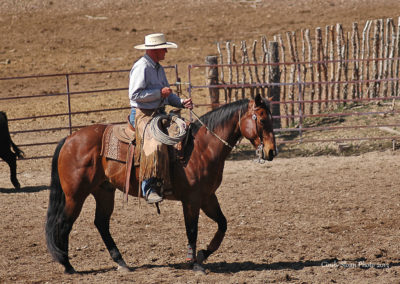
x: 118, y: 143
x: 115, y: 142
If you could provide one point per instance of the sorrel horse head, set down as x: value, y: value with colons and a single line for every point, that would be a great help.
x: 78, y: 170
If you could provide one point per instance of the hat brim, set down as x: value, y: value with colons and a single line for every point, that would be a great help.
x: 165, y: 45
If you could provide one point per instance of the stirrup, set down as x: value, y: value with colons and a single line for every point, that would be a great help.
x: 157, y: 200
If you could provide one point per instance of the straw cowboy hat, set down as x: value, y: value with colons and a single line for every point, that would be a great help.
x: 156, y: 41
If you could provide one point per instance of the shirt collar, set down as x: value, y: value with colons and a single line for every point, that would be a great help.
x: 151, y: 61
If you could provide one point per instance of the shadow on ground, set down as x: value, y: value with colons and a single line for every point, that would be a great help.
x: 26, y: 189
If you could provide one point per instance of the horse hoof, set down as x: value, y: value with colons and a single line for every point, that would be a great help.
x: 123, y: 269
x: 69, y: 270
x: 16, y: 185
x: 198, y: 269
x: 201, y: 257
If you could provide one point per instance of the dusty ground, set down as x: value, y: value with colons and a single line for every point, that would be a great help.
x: 312, y: 220
x: 302, y: 220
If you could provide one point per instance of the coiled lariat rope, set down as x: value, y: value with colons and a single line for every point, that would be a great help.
x: 160, y: 136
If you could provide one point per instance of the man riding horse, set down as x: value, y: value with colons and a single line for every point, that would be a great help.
x: 149, y: 92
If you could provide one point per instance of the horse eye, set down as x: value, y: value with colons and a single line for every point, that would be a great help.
x: 263, y: 121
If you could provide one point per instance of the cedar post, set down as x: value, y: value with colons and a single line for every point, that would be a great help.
x: 275, y: 77
x: 212, y: 79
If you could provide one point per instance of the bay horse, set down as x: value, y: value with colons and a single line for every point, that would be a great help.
x: 78, y: 170
x: 6, y: 143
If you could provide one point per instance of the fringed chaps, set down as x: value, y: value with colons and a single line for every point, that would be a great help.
x: 151, y: 155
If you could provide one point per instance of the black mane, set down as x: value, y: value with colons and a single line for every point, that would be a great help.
x: 221, y: 115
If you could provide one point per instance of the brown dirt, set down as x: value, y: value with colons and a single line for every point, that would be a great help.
x: 302, y: 220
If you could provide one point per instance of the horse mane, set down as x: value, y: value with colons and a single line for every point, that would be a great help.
x: 221, y: 115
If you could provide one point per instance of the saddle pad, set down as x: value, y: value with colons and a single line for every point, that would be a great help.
x: 112, y: 147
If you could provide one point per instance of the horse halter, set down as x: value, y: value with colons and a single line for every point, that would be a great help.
x: 260, y: 147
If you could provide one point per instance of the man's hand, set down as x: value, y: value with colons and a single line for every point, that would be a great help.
x: 165, y: 92
x: 188, y: 103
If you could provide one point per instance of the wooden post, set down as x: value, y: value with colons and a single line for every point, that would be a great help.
x: 333, y: 65
x: 375, y: 66
x: 365, y: 39
x: 275, y: 77
x: 243, y: 47
x: 367, y: 71
x: 346, y: 68
x: 285, y: 107
x: 355, y: 75
x: 228, y: 51
x: 387, y: 54
x: 212, y: 79
x: 382, y: 47
x: 318, y: 39
x: 311, y: 67
x: 236, y: 69
x: 325, y: 66
x: 289, y: 36
x: 396, y: 88
x: 340, y: 52
x: 264, y: 60
x: 247, y: 61
x: 391, y: 55
x: 222, y: 78
x: 303, y: 58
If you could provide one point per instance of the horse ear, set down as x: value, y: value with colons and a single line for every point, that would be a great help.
x: 258, y: 100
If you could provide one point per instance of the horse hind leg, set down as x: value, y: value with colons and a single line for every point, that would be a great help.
x: 214, y: 212
x: 58, y: 222
x: 104, y: 208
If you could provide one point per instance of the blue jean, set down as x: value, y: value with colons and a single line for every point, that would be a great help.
x: 146, y: 185
x: 132, y: 116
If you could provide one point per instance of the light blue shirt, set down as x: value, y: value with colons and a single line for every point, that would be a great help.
x: 146, y: 80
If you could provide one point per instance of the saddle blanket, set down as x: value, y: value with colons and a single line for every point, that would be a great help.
x: 115, y: 142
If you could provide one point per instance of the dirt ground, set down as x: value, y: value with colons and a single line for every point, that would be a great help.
x: 299, y: 220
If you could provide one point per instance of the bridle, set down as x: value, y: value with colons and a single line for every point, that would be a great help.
x: 260, y: 147
x: 212, y: 132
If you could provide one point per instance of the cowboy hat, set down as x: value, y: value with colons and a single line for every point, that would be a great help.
x: 156, y: 41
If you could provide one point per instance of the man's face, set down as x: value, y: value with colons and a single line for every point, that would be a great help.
x: 159, y: 54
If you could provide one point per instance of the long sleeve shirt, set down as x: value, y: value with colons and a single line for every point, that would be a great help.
x: 146, y: 80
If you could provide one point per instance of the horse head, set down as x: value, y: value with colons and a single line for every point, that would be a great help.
x: 257, y: 126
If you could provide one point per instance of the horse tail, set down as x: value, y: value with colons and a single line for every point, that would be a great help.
x: 56, y: 224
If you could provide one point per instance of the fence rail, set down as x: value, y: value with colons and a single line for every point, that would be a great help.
x: 301, y: 120
x: 52, y: 121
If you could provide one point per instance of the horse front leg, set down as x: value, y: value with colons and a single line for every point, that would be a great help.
x: 212, y: 209
x: 191, y: 215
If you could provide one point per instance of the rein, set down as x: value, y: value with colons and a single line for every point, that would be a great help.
x: 212, y: 132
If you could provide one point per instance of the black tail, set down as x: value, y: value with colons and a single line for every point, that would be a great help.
x: 57, y: 225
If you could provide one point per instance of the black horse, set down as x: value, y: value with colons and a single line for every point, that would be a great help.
x: 5, y: 149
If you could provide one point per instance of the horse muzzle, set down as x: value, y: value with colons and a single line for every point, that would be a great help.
x: 262, y: 155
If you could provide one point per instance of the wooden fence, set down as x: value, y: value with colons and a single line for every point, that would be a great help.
x: 320, y: 70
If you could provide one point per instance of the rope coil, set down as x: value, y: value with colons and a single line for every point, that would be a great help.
x: 160, y: 136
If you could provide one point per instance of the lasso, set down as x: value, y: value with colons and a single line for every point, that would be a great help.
x: 160, y: 136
